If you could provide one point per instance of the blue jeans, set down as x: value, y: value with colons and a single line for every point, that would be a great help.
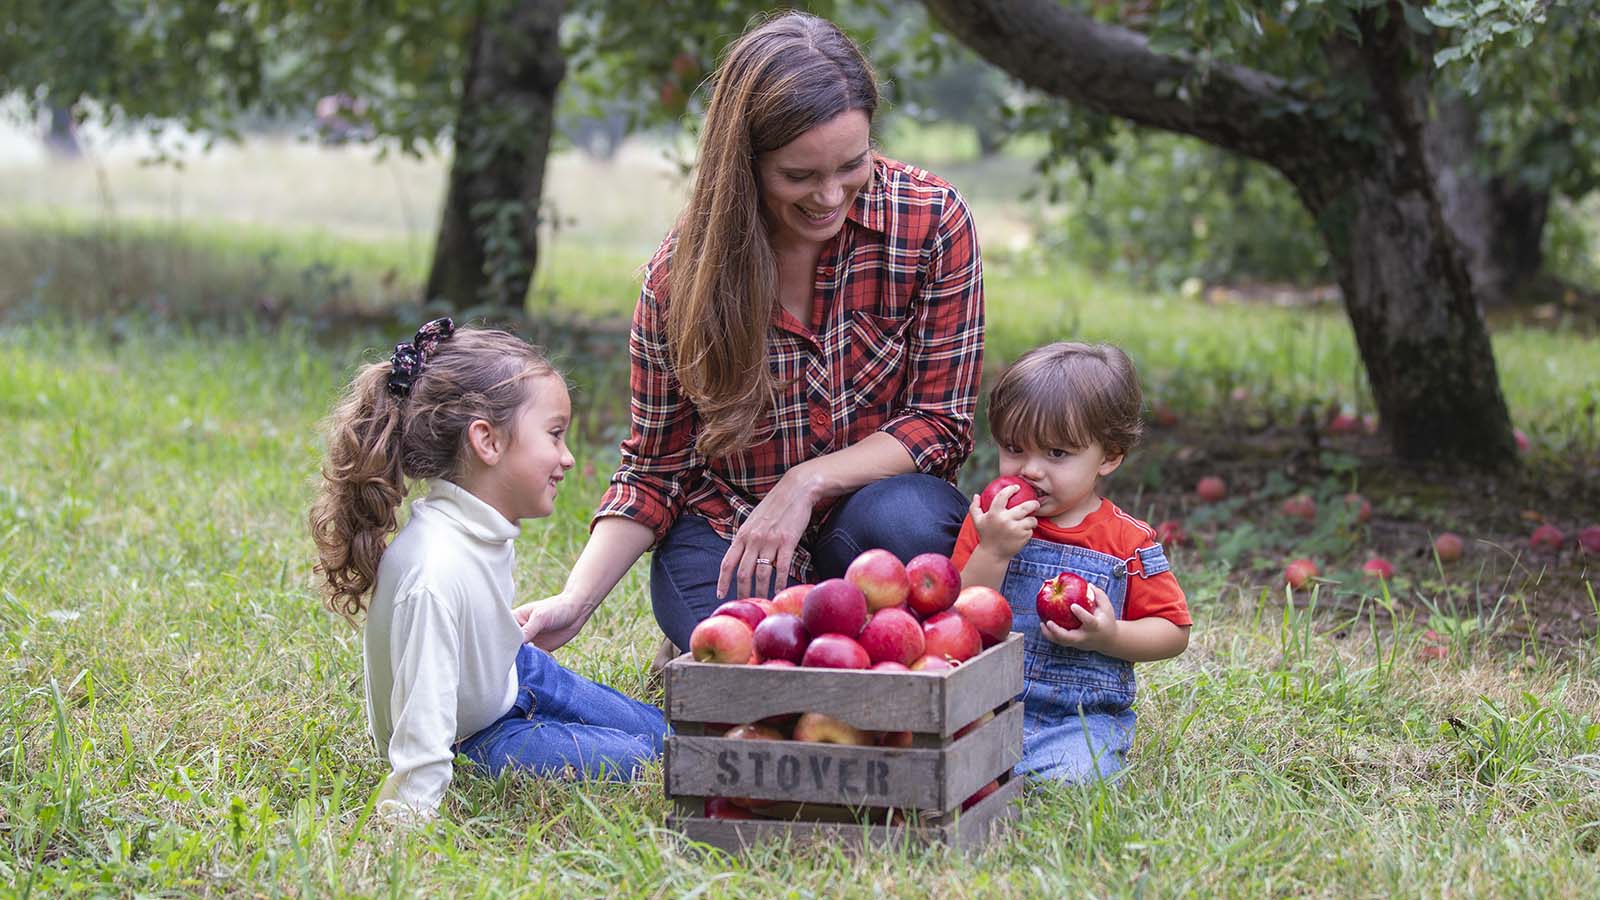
x: 562, y: 723
x: 906, y: 514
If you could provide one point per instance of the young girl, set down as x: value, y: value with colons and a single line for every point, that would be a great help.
x: 1064, y: 416
x: 481, y: 416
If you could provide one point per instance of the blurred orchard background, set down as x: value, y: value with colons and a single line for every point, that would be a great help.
x: 1353, y: 246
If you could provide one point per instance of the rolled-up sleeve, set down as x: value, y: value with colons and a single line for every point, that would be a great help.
x: 945, y: 343
x: 658, y: 455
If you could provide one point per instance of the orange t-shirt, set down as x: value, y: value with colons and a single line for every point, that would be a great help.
x: 1112, y: 531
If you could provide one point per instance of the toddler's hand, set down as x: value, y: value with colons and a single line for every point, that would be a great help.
x: 1003, y: 531
x: 1098, y: 631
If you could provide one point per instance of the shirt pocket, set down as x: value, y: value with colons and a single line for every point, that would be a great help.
x: 876, y: 363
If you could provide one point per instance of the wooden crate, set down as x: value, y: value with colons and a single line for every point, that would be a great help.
x: 853, y: 795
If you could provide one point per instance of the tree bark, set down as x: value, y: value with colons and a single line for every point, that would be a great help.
x: 488, y: 242
x: 1407, y: 292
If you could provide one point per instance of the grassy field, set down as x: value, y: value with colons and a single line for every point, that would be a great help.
x: 181, y: 718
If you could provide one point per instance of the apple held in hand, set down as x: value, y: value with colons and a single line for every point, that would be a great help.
x: 1057, y: 596
x: 935, y: 582
x: 834, y: 607
x: 835, y: 651
x: 1024, y: 493
x: 893, y: 635
x: 988, y: 612
x: 722, y: 639
x: 949, y: 636
x: 880, y: 577
x: 782, y: 636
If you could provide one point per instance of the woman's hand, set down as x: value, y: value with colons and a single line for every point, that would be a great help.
x: 764, y: 544
x: 551, y: 622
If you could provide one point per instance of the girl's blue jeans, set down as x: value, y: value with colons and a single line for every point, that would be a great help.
x: 906, y: 514
x: 564, y: 724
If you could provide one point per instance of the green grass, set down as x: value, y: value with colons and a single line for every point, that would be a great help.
x: 180, y: 717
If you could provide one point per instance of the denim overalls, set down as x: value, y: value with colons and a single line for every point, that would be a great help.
x: 1077, y: 716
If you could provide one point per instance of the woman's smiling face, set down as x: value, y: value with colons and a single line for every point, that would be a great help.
x: 808, y: 184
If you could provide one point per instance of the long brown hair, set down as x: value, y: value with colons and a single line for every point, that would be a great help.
x: 778, y: 81
x: 376, y: 440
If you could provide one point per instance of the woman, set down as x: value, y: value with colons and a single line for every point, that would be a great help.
x: 805, y: 351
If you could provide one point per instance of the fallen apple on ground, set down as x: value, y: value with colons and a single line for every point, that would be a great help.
x: 1547, y: 537
x: 1297, y: 573
x: 1589, y: 539
x: 1449, y: 547
x: 1057, y: 596
x: 1171, y: 534
x: 1378, y: 567
x: 1211, y: 489
x: 1300, y: 506
x: 1358, y: 507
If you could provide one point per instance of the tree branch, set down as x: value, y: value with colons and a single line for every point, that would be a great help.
x: 1112, y: 70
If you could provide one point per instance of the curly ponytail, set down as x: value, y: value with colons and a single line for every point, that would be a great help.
x: 378, y: 439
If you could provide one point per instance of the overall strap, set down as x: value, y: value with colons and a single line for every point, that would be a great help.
x: 1147, y: 561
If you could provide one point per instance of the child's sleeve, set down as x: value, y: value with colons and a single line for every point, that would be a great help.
x: 966, y: 542
x: 1157, y: 595
x: 424, y: 647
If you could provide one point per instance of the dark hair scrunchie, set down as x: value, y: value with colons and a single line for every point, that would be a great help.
x: 409, y: 358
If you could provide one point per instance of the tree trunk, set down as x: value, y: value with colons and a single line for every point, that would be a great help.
x: 488, y: 242
x: 61, y: 135
x: 1499, y: 219
x: 1407, y: 292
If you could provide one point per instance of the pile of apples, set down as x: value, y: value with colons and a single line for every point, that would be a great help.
x: 882, y: 615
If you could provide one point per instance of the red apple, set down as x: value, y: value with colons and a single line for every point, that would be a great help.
x: 949, y: 636
x: 1589, y: 539
x: 834, y: 607
x: 722, y: 639
x: 1449, y: 547
x: 1521, y: 438
x: 890, y: 665
x: 753, y: 732
x: 1057, y: 596
x: 762, y: 604
x: 1378, y: 567
x: 723, y: 808
x: 820, y: 729
x: 1211, y: 489
x: 1171, y: 534
x: 972, y: 726
x: 743, y: 610
x: 1299, y: 572
x: 988, y: 612
x: 1164, y: 416
x: 893, y: 635
x: 1300, y: 506
x: 792, y: 598
x: 1024, y: 492
x: 932, y: 664
x: 935, y: 582
x: 782, y: 636
x: 981, y: 793
x: 1433, y: 651
x: 900, y: 739
x: 1344, y: 423
x: 1547, y: 537
x: 835, y: 651
x: 778, y: 663
x: 880, y: 577
x: 1358, y: 507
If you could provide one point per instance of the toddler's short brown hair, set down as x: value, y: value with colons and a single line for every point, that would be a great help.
x: 1067, y: 395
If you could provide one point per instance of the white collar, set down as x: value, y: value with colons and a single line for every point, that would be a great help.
x: 467, y: 511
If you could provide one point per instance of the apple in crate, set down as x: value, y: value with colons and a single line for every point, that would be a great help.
x: 981, y: 793
x: 987, y: 610
x: 781, y: 636
x: 753, y: 732
x: 791, y: 599
x: 834, y: 607
x: 935, y: 582
x: 817, y: 728
x: 1024, y: 492
x: 835, y: 651
x: 723, y: 808
x: 880, y: 577
x: 743, y: 610
x: 972, y: 726
x: 932, y: 664
x: 949, y: 636
x: 893, y: 635
x: 722, y: 639
x: 1057, y: 596
x: 890, y: 665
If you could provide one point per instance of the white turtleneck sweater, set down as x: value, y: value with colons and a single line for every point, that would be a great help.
x: 441, y: 643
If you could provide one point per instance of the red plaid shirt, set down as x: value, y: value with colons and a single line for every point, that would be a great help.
x: 895, y: 345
